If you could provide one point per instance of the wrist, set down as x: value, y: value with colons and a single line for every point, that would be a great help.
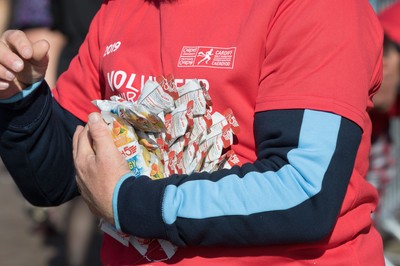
x: 23, y: 91
x: 115, y: 200
x: 22, y: 85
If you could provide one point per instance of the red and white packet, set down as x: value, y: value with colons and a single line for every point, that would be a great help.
x: 177, y: 133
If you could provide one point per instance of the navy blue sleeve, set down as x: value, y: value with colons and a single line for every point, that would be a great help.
x: 36, y: 147
x: 292, y: 193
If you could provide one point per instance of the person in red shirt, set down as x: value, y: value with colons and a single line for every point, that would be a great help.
x: 299, y: 77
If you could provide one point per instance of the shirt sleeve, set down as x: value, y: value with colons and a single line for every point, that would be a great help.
x: 314, y: 58
x: 292, y: 193
x: 36, y: 147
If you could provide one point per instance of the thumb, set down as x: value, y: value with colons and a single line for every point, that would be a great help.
x: 36, y: 65
x: 98, y: 130
x: 40, y: 53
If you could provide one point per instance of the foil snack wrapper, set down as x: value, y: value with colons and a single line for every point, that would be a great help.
x: 169, y: 130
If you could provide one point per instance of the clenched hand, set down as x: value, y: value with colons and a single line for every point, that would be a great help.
x: 99, y: 165
x: 22, y: 62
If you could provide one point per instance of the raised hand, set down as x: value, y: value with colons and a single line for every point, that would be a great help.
x: 22, y: 62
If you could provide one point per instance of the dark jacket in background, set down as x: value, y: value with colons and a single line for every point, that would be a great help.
x: 73, y: 17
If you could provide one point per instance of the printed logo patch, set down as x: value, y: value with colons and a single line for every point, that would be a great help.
x: 207, y: 56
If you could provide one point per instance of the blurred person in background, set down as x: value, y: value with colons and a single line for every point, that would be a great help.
x: 386, y: 103
x: 5, y: 8
x: 72, y: 18
x: 383, y: 170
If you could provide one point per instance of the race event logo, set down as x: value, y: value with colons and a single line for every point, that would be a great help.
x: 207, y: 56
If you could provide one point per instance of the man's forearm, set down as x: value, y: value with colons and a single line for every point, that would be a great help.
x: 36, y: 147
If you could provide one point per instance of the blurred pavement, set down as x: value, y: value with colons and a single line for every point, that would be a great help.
x: 20, y: 241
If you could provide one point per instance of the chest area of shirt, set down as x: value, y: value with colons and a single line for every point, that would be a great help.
x: 212, y: 44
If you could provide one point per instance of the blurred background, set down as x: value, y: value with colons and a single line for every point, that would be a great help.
x: 68, y: 235
x: 65, y: 235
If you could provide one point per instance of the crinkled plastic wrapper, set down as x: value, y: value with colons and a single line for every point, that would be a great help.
x: 169, y: 130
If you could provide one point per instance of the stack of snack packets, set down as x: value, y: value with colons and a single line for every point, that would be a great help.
x: 169, y: 130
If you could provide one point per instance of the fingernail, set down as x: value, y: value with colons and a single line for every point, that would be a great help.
x: 26, y: 52
x: 94, y: 118
x: 4, y: 85
x: 17, y: 65
x: 9, y: 76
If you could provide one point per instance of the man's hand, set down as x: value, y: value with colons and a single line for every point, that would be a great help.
x: 22, y: 62
x: 99, y: 165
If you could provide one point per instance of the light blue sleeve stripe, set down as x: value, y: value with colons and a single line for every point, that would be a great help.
x: 115, y: 199
x: 259, y: 192
x: 22, y: 94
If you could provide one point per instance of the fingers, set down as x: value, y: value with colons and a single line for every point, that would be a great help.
x: 18, y: 42
x: 82, y: 145
x: 75, y: 138
x: 40, y: 53
x: 81, y: 155
x: 6, y: 76
x: 14, y: 48
x: 15, y: 51
x: 10, y: 63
